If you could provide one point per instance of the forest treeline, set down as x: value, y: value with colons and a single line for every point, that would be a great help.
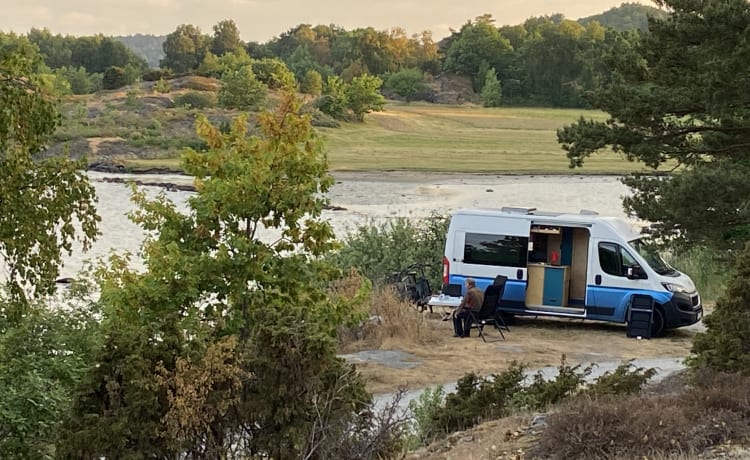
x: 550, y: 60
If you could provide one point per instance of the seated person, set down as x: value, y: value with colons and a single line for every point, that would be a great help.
x: 472, y: 301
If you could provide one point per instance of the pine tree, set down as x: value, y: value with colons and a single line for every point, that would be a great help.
x: 725, y: 346
x: 492, y: 93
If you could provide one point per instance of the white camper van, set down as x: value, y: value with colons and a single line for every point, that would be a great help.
x: 569, y: 265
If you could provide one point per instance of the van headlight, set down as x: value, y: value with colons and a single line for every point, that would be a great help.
x: 678, y: 288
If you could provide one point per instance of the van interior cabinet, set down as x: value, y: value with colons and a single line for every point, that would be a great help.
x: 547, y: 285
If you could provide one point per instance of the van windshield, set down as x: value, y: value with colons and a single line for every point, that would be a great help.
x: 652, y: 257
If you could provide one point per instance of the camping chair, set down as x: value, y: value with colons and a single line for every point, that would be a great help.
x: 488, y: 315
x: 500, y: 280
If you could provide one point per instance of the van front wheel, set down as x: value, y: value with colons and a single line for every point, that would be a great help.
x: 657, y: 323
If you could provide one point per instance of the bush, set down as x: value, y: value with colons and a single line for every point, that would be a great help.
x: 114, y: 78
x: 378, y: 251
x: 196, y: 100
x: 542, y: 392
x: 646, y: 427
x: 241, y: 90
x: 725, y: 344
x: 407, y: 83
x: 157, y: 74
x: 625, y: 380
x: 423, y: 411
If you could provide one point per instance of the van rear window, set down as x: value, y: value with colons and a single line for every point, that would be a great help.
x: 500, y: 250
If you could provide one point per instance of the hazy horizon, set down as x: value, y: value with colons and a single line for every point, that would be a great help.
x: 261, y: 20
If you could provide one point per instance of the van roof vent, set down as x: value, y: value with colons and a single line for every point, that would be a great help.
x: 515, y: 210
x: 588, y: 212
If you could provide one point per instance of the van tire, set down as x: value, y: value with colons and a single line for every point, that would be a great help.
x: 657, y: 322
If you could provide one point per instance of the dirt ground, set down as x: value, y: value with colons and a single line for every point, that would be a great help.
x: 538, y: 342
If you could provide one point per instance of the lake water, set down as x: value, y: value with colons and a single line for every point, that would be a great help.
x: 374, y: 197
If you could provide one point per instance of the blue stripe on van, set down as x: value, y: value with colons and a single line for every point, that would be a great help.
x: 515, y: 290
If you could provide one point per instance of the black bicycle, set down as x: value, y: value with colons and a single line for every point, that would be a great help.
x: 411, y: 285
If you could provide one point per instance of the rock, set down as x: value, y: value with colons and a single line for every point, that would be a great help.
x: 169, y: 186
x: 489, y: 190
x: 539, y: 421
x: 467, y: 439
x: 64, y: 280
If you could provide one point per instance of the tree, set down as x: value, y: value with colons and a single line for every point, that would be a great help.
x: 725, y: 346
x: 40, y: 198
x: 492, y: 93
x: 676, y: 98
x: 312, y: 83
x: 407, y: 83
x: 363, y: 96
x: 185, y: 48
x: 226, y: 38
x: 478, y: 41
x: 241, y: 90
x: 334, y: 101
x: 225, y: 344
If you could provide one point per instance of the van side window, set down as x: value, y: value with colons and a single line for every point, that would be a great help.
x: 500, y: 250
x: 614, y: 260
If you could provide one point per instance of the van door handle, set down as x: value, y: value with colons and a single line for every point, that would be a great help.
x: 598, y: 279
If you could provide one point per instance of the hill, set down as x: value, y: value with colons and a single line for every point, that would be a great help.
x: 628, y: 16
x: 149, y: 47
x: 138, y: 127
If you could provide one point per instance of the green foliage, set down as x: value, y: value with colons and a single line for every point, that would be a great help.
x: 226, y: 38
x: 724, y: 346
x: 627, y: 16
x: 492, y: 93
x: 114, y: 78
x: 424, y: 410
x: 42, y: 359
x: 226, y: 342
x: 626, y: 379
x: 407, y: 83
x: 162, y: 86
x: 196, y: 100
x: 334, y: 100
x: 709, y: 269
x: 80, y: 81
x: 312, y: 83
x: 478, y: 399
x: 674, y: 97
x: 378, y: 251
x: 478, y: 41
x: 719, y: 219
x: 241, y: 90
x: 185, y: 48
x: 363, y: 96
x: 39, y: 199
x: 273, y: 73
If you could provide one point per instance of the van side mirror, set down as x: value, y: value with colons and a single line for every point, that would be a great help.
x: 635, y: 272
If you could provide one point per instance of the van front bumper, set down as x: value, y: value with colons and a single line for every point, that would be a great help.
x: 683, y: 310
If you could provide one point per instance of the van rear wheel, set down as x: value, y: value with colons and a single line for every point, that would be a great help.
x: 657, y: 323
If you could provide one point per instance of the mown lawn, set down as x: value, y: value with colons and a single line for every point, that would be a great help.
x: 430, y: 137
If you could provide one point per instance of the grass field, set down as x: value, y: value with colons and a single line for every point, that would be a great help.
x: 442, y: 138
x: 462, y: 139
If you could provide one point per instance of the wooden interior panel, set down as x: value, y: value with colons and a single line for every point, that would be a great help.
x: 579, y: 264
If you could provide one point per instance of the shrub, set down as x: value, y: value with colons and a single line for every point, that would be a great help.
x: 162, y: 86
x: 476, y: 399
x: 627, y: 379
x: 423, y: 411
x: 725, y: 344
x: 241, y: 90
x: 646, y: 427
x: 114, y: 77
x: 379, y: 250
x: 543, y: 392
x: 157, y: 74
x: 407, y: 83
x: 196, y: 100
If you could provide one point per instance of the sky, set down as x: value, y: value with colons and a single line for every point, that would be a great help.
x: 261, y: 20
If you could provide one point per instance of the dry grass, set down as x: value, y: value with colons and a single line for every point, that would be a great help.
x: 713, y: 413
x: 390, y: 320
x: 537, y: 342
